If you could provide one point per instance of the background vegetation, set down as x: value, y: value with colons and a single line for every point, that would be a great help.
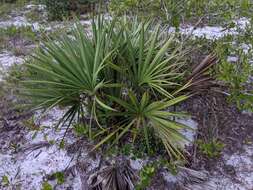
x: 176, y: 12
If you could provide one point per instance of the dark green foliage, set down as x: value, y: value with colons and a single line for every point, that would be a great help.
x: 62, y: 144
x: 46, y: 186
x: 60, y: 177
x: 146, y: 175
x: 5, y: 181
x: 81, y: 130
x: 148, y: 172
x: 58, y: 9
x: 140, y: 150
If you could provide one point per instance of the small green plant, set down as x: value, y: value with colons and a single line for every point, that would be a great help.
x: 60, y: 177
x: 146, y: 175
x: 30, y: 124
x: 15, y: 147
x: 81, y: 130
x: 126, y: 149
x: 46, y: 186
x: 172, y: 167
x: 51, y: 142
x: 5, y: 181
x: 211, y: 149
x: 62, y: 144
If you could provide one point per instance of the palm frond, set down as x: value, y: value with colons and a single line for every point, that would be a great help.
x: 118, y: 176
x: 199, y: 78
x: 66, y: 68
x: 142, y: 114
x: 147, y: 60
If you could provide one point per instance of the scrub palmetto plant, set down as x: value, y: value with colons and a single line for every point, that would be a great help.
x: 151, y: 62
x: 66, y: 72
x: 123, y: 78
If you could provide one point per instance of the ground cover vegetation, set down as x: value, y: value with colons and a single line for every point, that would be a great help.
x: 174, y: 12
x: 234, y: 70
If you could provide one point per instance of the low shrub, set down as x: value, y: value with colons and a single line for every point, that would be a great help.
x: 121, y: 82
x: 235, y: 68
x: 211, y: 149
x: 58, y: 9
